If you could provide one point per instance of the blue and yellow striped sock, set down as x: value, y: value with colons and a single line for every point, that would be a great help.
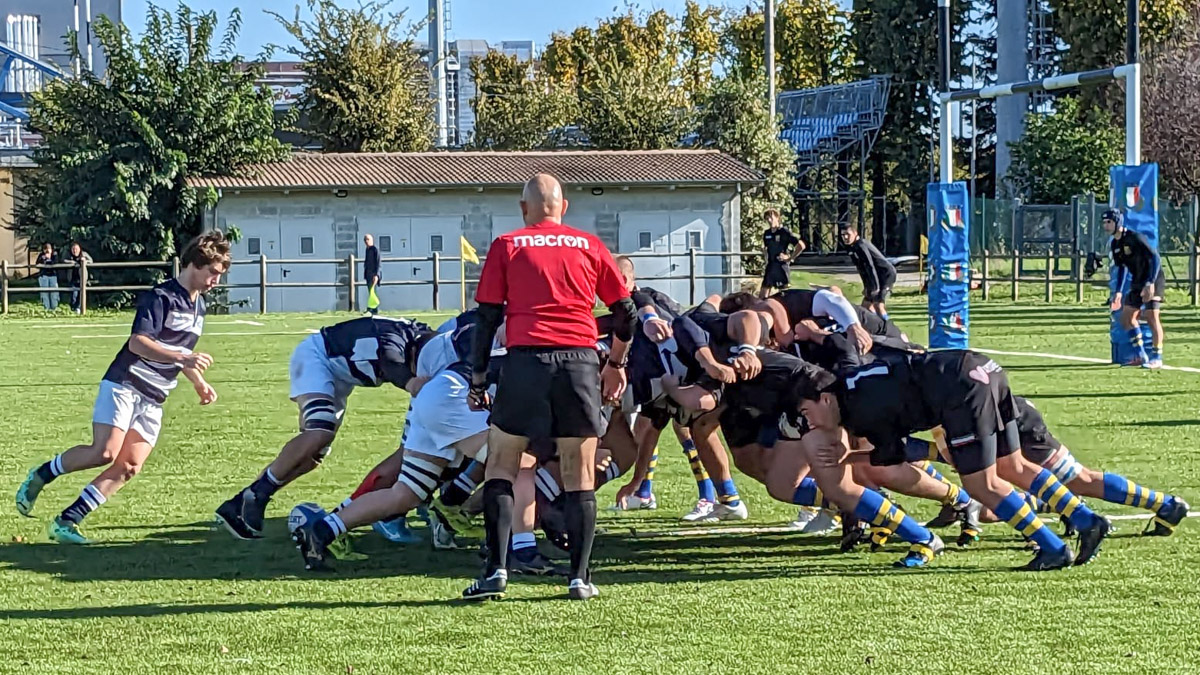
x: 704, y: 484
x: 647, y: 487
x: 1048, y: 488
x: 1016, y: 512
x: 808, y: 494
x: 1135, y: 341
x: 876, y: 509
x: 955, y: 495
x: 727, y: 493
x: 1156, y: 353
x: 1120, y: 490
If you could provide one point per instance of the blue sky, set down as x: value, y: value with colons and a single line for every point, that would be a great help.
x: 491, y: 20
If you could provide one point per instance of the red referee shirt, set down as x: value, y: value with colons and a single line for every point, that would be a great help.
x: 548, y: 276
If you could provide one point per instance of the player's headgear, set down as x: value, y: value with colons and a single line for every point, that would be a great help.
x: 1113, y: 215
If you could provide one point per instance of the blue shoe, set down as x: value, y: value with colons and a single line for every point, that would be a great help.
x: 396, y: 531
x: 919, y: 555
x: 28, y: 493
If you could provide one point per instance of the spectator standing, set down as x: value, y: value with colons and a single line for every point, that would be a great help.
x: 48, y: 276
x: 371, y: 274
x: 77, y: 257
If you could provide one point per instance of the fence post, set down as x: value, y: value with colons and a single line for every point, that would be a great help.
x: 1050, y: 274
x: 4, y: 287
x: 437, y: 282
x: 692, y: 274
x: 986, y: 270
x: 1016, y: 270
x: 262, y: 283
x: 1194, y: 271
x: 351, y: 300
x: 1195, y: 274
x: 1079, y: 262
x: 175, y: 266
x: 83, y: 286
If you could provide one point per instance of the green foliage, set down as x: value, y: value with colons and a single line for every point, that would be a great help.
x: 1065, y: 153
x: 117, y: 151
x: 1094, y: 30
x: 1171, y: 112
x: 812, y: 43
x: 366, y: 89
x: 735, y: 120
x: 700, y: 39
x: 514, y: 111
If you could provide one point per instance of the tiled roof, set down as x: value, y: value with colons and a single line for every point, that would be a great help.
x: 488, y: 169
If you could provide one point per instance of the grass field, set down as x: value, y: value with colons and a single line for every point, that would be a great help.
x: 162, y: 591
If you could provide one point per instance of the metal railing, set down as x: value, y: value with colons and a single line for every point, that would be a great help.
x: 348, y: 265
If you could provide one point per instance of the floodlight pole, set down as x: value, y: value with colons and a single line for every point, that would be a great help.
x: 945, y: 123
x: 1133, y: 85
x: 769, y: 52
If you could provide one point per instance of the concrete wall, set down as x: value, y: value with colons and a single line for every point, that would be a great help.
x: 12, y: 247
x: 656, y: 221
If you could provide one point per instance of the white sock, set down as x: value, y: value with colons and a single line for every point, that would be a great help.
x: 522, y: 540
x: 334, y: 521
x: 271, y: 477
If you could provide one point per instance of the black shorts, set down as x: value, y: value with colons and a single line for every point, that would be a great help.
x: 978, y: 412
x: 880, y: 293
x: 659, y: 413
x: 1134, y: 298
x: 777, y: 275
x: 547, y: 392
x: 743, y: 427
x: 1037, y: 443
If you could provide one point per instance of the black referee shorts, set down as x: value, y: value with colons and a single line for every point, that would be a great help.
x: 880, y: 293
x: 777, y: 275
x: 549, y: 392
x: 1134, y: 297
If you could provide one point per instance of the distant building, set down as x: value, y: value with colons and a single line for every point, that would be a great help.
x: 51, y: 21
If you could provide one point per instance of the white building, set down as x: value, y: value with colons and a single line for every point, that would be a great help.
x: 318, y: 207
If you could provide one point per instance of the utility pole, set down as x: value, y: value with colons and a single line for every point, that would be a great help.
x: 769, y: 20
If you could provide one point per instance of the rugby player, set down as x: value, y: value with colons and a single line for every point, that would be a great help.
x: 967, y: 395
x: 877, y: 273
x: 325, y: 368
x: 780, y: 248
x: 1138, y: 263
x: 128, y: 410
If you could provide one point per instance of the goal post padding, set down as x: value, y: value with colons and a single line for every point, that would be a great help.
x: 1133, y: 192
x: 948, y: 271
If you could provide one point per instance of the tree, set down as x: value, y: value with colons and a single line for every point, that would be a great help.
x: 1094, y: 30
x: 700, y: 41
x: 1065, y: 153
x: 116, y: 151
x: 1171, y: 112
x: 366, y: 88
x: 735, y: 121
x: 812, y: 43
x: 514, y: 111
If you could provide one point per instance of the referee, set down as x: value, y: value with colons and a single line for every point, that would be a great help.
x: 543, y: 281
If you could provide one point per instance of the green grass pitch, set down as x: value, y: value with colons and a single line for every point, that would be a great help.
x: 163, y: 592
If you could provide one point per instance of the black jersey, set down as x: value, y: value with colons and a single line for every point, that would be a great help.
x: 769, y: 392
x: 875, y: 270
x: 376, y: 350
x: 1138, y: 261
x: 777, y: 242
x: 667, y: 308
x: 167, y: 315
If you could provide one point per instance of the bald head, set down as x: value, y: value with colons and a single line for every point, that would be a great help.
x: 625, y: 267
x: 542, y: 200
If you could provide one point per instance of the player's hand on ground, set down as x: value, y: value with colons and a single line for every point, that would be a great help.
x: 747, y: 365
x: 1115, y: 303
x: 626, y: 492
x: 612, y: 383
x: 862, y: 338
x: 197, y: 360
x: 206, y: 393
x: 721, y: 373
x: 657, y: 330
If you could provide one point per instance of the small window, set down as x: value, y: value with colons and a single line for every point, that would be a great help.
x: 253, y: 246
x: 385, y: 244
x: 306, y: 245
x: 644, y: 240
x: 435, y: 243
x: 694, y: 240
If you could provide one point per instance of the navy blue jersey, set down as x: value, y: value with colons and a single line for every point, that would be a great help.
x: 374, y: 350
x: 1137, y: 259
x: 167, y: 315
x: 667, y: 308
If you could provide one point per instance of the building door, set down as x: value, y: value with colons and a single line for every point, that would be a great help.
x: 306, y: 239
x: 438, y: 234
x: 648, y: 234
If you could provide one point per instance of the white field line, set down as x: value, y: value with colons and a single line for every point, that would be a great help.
x: 113, y: 324
x: 783, y: 529
x: 306, y: 331
x: 1066, y: 357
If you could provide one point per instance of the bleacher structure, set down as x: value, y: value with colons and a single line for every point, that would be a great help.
x: 20, y: 75
x: 832, y: 129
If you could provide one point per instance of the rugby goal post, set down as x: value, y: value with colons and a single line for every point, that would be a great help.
x: 1134, y: 187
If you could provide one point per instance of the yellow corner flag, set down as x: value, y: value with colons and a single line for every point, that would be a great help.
x: 467, y: 250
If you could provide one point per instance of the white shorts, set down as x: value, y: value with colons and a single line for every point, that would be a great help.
x: 127, y: 409
x: 311, y: 373
x: 440, y: 416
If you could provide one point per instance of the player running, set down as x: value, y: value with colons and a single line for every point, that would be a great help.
x: 325, y: 369
x: 877, y: 274
x: 1141, y: 266
x: 967, y: 395
x: 128, y: 411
